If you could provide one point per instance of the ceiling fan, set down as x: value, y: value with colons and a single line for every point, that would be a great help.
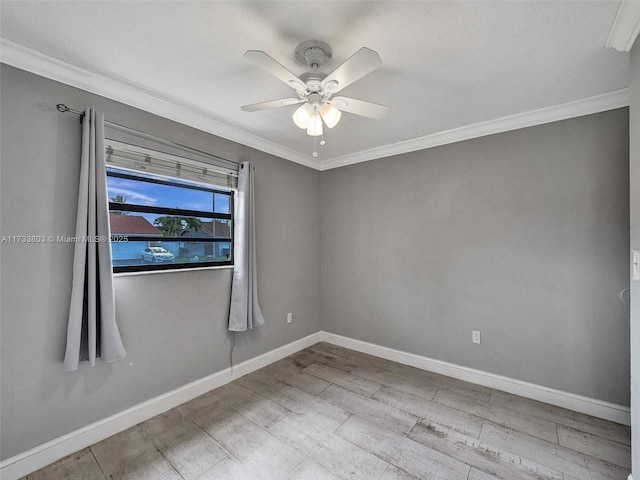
x: 315, y: 90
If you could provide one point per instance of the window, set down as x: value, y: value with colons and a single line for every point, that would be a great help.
x: 159, y: 223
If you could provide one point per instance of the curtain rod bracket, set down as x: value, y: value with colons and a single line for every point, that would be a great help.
x: 61, y: 107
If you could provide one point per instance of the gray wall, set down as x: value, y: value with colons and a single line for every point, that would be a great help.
x: 173, y: 324
x: 634, y: 169
x: 522, y: 235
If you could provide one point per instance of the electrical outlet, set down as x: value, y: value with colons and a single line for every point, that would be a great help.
x: 289, y: 317
x: 475, y: 336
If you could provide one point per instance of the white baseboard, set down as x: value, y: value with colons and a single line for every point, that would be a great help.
x: 578, y: 403
x: 17, y: 467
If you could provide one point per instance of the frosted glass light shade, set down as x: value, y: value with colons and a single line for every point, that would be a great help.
x: 330, y: 114
x: 302, y: 116
x: 315, y: 126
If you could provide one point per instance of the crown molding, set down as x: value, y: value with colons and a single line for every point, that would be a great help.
x: 578, y: 108
x: 626, y: 26
x: 141, y: 97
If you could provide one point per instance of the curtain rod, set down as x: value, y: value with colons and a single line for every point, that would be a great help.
x: 61, y: 107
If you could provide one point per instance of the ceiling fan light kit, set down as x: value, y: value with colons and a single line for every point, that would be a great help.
x: 315, y: 126
x: 315, y: 89
x: 302, y: 116
x: 330, y: 114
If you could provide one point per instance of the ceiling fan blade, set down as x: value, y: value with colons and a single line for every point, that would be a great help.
x: 359, y: 107
x: 271, y: 104
x: 362, y: 62
x: 274, y: 68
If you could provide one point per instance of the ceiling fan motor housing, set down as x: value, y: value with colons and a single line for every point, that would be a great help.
x: 313, y: 81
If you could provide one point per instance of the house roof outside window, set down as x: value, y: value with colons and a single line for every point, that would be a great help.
x: 214, y: 228
x: 132, y: 225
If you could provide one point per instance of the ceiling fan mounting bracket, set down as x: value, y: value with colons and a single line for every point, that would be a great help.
x: 313, y: 53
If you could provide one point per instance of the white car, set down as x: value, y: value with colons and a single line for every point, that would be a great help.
x: 157, y: 255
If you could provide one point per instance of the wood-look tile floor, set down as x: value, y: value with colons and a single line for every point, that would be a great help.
x: 331, y: 413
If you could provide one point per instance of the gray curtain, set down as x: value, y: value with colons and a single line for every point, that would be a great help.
x: 92, y: 330
x: 245, y: 311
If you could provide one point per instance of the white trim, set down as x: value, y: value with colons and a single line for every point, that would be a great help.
x: 20, y: 465
x: 578, y: 403
x: 577, y: 108
x: 626, y: 26
x: 27, y: 462
x: 630, y: 477
x: 140, y: 97
x: 154, y: 102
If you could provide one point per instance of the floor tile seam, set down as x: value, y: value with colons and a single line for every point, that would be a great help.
x: 514, y: 453
x: 485, y: 445
x: 437, y: 452
x: 226, y: 457
x: 560, y: 422
x: 580, y: 452
x: 385, y: 471
x: 168, y: 460
x: 333, y: 383
x: 434, y: 382
x: 520, y: 416
x: 489, y: 446
x: 96, y: 460
x: 565, y: 424
x: 335, y: 432
x: 144, y: 435
x: 379, y: 388
x: 291, y: 386
x: 235, y: 407
x: 422, y: 383
x: 265, y: 430
x: 569, y: 427
x: 425, y: 399
x: 281, y: 420
x: 361, y: 393
x: 425, y: 422
x: 467, y: 394
x: 392, y: 387
x: 460, y: 410
x: 408, y: 414
x: 554, y: 446
x: 224, y: 449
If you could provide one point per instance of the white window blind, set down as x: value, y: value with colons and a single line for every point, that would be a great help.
x: 132, y: 157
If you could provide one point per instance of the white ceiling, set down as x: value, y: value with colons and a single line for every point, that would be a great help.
x: 447, y: 66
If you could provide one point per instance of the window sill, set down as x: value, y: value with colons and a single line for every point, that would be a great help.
x: 175, y: 270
